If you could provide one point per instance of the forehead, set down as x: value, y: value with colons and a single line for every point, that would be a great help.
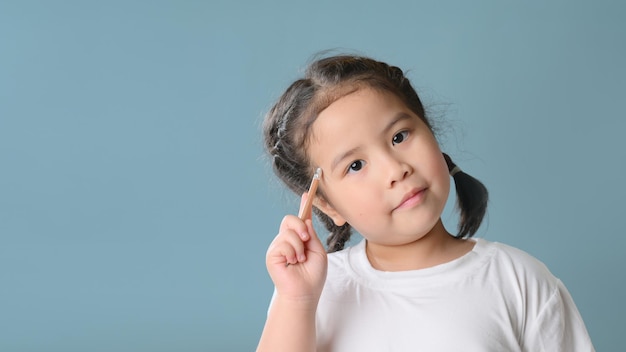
x: 362, y: 107
x: 352, y: 121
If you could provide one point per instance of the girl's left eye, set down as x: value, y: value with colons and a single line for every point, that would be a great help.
x: 399, y: 137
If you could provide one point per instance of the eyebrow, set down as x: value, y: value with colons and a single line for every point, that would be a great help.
x: 401, y: 116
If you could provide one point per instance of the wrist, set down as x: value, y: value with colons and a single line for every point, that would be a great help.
x: 303, y: 304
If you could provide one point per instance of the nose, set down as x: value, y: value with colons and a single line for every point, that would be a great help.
x: 396, y: 170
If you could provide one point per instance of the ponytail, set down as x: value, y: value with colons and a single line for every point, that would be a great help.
x: 472, y: 197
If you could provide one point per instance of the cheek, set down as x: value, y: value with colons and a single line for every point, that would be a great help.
x: 342, y: 199
x: 442, y: 174
x: 352, y: 204
x: 446, y: 185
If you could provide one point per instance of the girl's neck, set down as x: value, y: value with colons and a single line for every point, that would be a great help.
x: 436, y: 247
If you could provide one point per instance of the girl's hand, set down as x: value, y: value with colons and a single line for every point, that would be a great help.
x: 296, y: 260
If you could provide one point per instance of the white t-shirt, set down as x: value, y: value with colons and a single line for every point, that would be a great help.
x: 494, y: 298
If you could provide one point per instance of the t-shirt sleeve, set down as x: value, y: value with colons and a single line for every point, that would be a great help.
x: 271, y: 301
x: 558, y: 327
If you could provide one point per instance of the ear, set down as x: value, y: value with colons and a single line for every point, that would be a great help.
x: 327, y: 209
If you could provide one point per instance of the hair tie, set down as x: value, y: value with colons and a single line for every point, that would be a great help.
x: 455, y: 170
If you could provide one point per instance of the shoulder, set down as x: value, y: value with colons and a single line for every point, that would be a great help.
x: 515, y: 258
x: 551, y: 320
x: 519, y: 270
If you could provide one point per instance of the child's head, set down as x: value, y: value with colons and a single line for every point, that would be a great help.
x: 288, y: 131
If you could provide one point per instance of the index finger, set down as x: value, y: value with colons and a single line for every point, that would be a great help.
x: 307, y: 203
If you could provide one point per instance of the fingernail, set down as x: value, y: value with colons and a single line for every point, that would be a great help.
x: 301, y: 258
x: 304, y: 236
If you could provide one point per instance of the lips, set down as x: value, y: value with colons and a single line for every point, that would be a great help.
x: 411, y: 198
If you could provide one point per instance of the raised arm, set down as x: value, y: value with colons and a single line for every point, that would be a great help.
x: 297, y: 263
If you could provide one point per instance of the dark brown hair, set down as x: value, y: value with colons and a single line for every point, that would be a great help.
x: 287, y: 125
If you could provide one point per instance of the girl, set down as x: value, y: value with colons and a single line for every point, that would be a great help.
x: 409, y: 285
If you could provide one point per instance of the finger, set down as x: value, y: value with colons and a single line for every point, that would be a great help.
x: 281, y: 252
x: 297, y: 246
x: 306, y: 206
x: 293, y: 223
x: 289, y: 244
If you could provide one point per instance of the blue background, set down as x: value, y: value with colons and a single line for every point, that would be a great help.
x: 136, y: 203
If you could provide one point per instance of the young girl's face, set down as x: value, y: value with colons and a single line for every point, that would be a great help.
x: 383, y: 171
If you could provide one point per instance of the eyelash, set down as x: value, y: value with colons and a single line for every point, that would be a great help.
x: 351, y: 169
x: 404, y: 134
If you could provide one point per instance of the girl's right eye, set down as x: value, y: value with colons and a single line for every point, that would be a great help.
x: 356, y: 166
